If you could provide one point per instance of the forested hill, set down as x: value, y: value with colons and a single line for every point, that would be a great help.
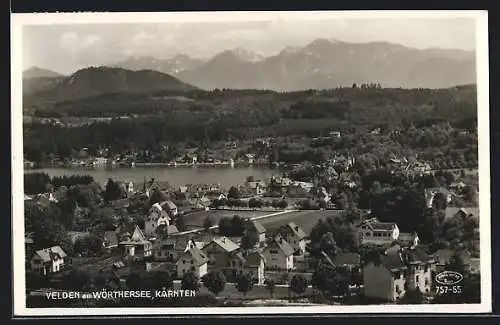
x: 95, y: 81
x: 166, y: 117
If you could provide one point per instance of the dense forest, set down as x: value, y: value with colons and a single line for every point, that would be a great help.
x: 420, y: 119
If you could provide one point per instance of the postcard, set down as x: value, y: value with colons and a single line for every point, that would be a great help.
x: 250, y: 163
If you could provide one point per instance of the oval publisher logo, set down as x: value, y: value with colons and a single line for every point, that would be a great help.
x: 449, y: 277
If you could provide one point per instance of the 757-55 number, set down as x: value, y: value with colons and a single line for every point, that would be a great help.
x: 442, y: 290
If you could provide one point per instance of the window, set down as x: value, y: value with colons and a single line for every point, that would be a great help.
x: 426, y: 268
x: 183, y: 261
x: 273, y: 251
x: 417, y: 278
x: 426, y: 281
x: 397, y: 288
x: 192, y: 262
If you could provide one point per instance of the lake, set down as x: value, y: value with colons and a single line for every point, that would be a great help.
x: 174, y: 176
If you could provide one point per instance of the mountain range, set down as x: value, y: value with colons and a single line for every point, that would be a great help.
x: 323, y: 63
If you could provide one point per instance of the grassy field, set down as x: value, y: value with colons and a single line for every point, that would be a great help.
x: 305, y: 219
x: 196, y: 218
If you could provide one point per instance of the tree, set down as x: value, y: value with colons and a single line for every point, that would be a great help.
x: 35, y: 183
x: 250, y: 179
x: 113, y: 191
x: 207, y: 223
x: 244, y: 283
x: 215, y: 281
x: 249, y: 239
x: 439, y: 201
x: 89, y: 245
x: 190, y: 281
x: 180, y: 223
x: 157, y: 197
x: 254, y: 203
x: 298, y: 284
x: 456, y: 263
x: 270, y: 286
x: 233, y: 193
x: 412, y: 297
x: 282, y: 204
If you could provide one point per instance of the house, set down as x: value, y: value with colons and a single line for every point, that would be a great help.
x: 110, y: 239
x: 48, y: 260
x: 170, y: 249
x: 136, y: 244
x: 372, y: 231
x: 249, y: 158
x: 457, y: 186
x: 120, y: 204
x: 334, y: 134
x: 408, y: 239
x: 166, y: 230
x: 279, y: 254
x: 218, y: 251
x: 256, y: 187
x: 170, y: 208
x: 192, y: 260
x: 253, y: 225
x: 454, y: 212
x: 156, y: 218
x: 254, y: 265
x: 295, y: 237
x: 399, y: 270
x: 430, y: 194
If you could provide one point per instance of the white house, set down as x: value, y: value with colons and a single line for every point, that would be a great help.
x: 372, y: 231
x: 399, y: 270
x: 170, y: 208
x: 295, y: 237
x: 48, y: 260
x: 192, y: 260
x: 257, y: 227
x: 278, y: 254
x: 157, y: 217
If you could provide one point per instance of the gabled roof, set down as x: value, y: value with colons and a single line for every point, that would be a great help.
x: 197, y: 255
x: 375, y: 225
x: 136, y: 238
x: 393, y: 260
x: 110, y: 239
x: 297, y: 231
x: 450, y: 212
x: 169, y: 205
x: 48, y: 254
x: 225, y: 243
x: 254, y: 259
x: 282, y: 244
x: 257, y: 226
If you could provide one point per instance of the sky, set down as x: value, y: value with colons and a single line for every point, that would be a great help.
x: 66, y: 48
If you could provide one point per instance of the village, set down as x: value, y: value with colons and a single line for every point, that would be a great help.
x: 261, y: 238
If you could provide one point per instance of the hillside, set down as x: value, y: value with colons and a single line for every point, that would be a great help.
x: 36, y: 72
x: 97, y: 81
x: 325, y: 63
x: 38, y: 84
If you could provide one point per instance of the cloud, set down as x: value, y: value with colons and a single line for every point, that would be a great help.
x: 90, y: 40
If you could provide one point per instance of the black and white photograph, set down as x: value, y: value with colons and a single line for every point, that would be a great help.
x: 250, y: 163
